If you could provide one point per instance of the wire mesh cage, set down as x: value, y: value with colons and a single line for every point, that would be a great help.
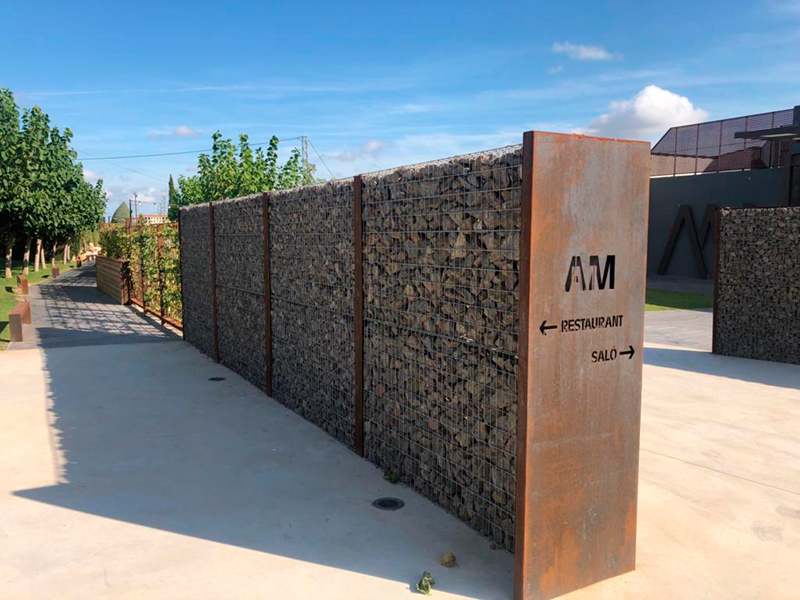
x: 441, y: 271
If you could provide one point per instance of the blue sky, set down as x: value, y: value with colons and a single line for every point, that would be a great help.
x: 376, y: 84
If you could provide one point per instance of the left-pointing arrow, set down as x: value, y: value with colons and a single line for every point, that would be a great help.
x: 544, y: 327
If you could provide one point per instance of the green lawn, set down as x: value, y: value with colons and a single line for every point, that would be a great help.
x: 7, y: 299
x: 663, y: 300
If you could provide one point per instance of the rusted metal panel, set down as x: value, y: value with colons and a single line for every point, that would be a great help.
x: 141, y: 264
x: 267, y: 298
x: 582, y: 312
x: 358, y: 315
x: 160, y: 267
x: 180, y: 266
x: 715, y: 311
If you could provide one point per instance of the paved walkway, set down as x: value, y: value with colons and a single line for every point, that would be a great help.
x: 70, y: 311
x: 685, y: 328
x: 126, y: 473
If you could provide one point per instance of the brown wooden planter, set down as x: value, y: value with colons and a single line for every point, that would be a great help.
x: 111, y: 278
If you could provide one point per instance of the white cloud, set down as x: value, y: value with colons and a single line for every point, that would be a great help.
x: 369, y: 151
x: 413, y: 108
x: 179, y: 131
x: 409, y: 149
x: 185, y: 131
x: 583, y: 51
x: 791, y: 7
x: 647, y: 115
x: 555, y: 70
x: 90, y: 176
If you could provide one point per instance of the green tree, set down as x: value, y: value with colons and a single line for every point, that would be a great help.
x: 10, y: 176
x: 175, y: 201
x: 44, y: 194
x: 226, y: 173
x: 122, y: 214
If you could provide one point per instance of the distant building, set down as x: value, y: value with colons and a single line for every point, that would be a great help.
x: 749, y: 161
x: 152, y: 219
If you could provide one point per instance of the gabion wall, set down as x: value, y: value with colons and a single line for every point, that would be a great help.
x: 440, y: 351
x: 441, y: 261
x: 312, y: 277
x: 239, y: 239
x: 757, y: 295
x: 196, y: 272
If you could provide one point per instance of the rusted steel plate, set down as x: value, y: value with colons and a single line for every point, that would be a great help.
x: 582, y: 311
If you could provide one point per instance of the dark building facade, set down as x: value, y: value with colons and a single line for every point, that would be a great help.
x: 751, y: 161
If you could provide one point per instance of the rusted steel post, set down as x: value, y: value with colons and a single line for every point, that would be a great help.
x: 180, y: 270
x: 582, y: 275
x: 267, y: 297
x: 160, y: 270
x: 212, y: 237
x: 23, y: 284
x: 141, y: 265
x: 358, y: 315
x: 715, y: 313
x: 15, y: 324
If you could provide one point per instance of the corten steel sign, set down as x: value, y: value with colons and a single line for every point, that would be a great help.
x: 584, y: 228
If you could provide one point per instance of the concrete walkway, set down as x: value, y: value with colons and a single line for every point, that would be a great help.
x: 69, y: 311
x: 126, y: 473
x: 684, y: 328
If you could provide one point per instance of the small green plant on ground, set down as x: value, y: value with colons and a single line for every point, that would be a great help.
x: 391, y: 476
x: 425, y: 584
x: 8, y: 299
x: 665, y: 300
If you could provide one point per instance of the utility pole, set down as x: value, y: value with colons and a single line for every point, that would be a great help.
x: 304, y: 151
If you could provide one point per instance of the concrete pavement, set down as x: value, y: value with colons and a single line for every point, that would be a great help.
x: 150, y: 481
x: 684, y: 328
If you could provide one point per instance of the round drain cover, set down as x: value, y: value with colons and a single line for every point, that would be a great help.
x: 388, y: 503
x: 216, y: 379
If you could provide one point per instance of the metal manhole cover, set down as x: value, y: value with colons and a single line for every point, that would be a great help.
x: 216, y: 379
x: 388, y: 503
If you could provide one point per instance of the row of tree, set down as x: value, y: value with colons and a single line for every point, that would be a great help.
x: 236, y: 170
x: 44, y: 197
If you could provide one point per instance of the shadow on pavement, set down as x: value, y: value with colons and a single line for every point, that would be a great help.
x: 146, y: 438
x: 70, y: 311
x: 756, y: 371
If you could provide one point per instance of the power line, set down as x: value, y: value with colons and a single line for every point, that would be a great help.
x: 122, y: 157
x: 153, y: 177
x: 322, y: 160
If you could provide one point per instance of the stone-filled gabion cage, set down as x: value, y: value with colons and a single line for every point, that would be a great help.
x: 757, y: 283
x: 393, y: 317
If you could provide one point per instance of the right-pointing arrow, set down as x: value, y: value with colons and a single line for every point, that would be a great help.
x: 630, y: 352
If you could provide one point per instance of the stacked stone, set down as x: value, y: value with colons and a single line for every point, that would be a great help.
x: 757, y: 289
x: 312, y: 278
x: 196, y: 270
x: 441, y: 273
x: 239, y: 239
